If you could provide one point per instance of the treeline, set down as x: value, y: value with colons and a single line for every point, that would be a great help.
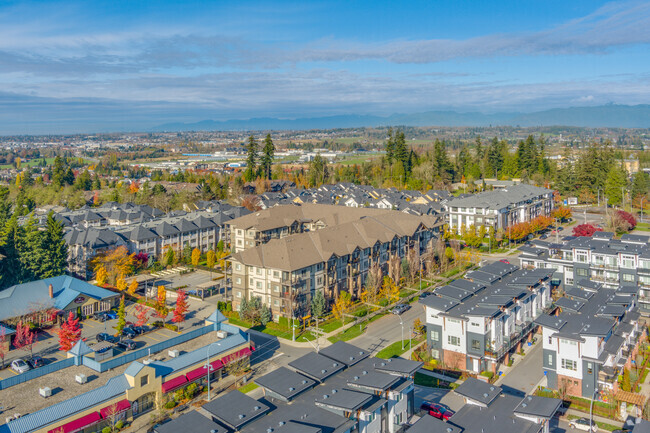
x: 27, y: 252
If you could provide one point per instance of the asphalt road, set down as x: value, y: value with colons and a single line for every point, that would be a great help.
x: 526, y: 374
x: 382, y: 332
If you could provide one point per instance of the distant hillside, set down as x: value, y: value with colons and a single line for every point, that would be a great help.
x: 614, y: 116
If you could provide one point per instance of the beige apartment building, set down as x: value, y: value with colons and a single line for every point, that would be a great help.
x: 287, y: 270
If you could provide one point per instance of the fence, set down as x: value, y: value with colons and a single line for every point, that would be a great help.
x: 37, y: 372
x: 145, y: 351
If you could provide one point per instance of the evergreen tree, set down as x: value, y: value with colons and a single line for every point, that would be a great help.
x: 265, y: 315
x: 54, y: 251
x: 5, y: 206
x: 266, y: 161
x: 121, y: 317
x: 640, y: 185
x: 390, y: 147
x: 401, y: 150
x: 463, y: 161
x: 58, y: 172
x: 615, y: 185
x: 441, y: 161
x: 318, y: 173
x: 318, y: 304
x: 251, y: 160
x: 32, y: 250
x: 10, y: 265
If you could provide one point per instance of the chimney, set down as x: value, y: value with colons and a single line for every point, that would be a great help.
x: 51, y: 290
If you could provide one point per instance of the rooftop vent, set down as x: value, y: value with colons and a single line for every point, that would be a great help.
x: 241, y: 416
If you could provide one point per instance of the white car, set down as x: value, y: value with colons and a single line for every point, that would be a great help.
x: 583, y: 424
x: 19, y: 366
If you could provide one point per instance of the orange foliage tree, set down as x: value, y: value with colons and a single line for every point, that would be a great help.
x: 116, y: 262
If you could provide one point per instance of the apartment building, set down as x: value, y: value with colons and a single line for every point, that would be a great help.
x: 601, y: 258
x: 200, y: 229
x: 356, y: 394
x: 591, y: 337
x: 500, y: 208
x: 286, y: 272
x: 475, y: 323
x: 278, y: 222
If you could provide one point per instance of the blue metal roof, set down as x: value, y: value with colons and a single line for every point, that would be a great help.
x: 20, y: 299
x: 216, y: 317
x: 80, y: 349
x: 134, y: 368
x: 61, y: 411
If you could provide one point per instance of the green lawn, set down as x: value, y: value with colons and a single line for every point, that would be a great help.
x: 248, y: 387
x: 395, y: 349
x: 31, y: 163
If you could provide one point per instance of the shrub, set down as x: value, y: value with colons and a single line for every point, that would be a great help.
x: 229, y: 306
x: 171, y: 327
x: 586, y: 230
x: 178, y: 395
x: 169, y: 405
x: 487, y: 374
x: 119, y: 425
x: 190, y: 391
x: 106, y: 430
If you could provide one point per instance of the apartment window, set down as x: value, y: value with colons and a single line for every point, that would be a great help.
x: 476, y: 345
x: 550, y: 359
x: 144, y: 380
x: 628, y: 278
x: 454, y: 341
x: 645, y: 264
x: 275, y: 302
x: 238, y: 266
x: 569, y: 342
x: 240, y: 232
x: 238, y: 280
x: 250, y: 281
x: 435, y: 336
x: 435, y: 353
x: 590, y: 368
x: 276, y: 288
x: 259, y: 285
x: 627, y: 262
x: 568, y: 281
x: 239, y: 294
x: 582, y: 272
x: 581, y: 257
x: 240, y: 243
x: 569, y: 364
x: 259, y: 271
x: 398, y: 418
x: 550, y: 340
x: 450, y: 320
x: 276, y: 274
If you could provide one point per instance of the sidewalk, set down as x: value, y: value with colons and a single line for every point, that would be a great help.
x: 565, y: 417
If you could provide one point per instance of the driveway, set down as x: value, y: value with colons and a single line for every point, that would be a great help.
x: 526, y: 373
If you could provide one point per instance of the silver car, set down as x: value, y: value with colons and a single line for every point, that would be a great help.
x: 583, y: 424
x: 19, y: 366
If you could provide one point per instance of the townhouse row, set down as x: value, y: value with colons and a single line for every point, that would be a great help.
x: 475, y: 323
x: 601, y: 258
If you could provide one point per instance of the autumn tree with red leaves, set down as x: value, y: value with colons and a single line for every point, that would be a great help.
x: 69, y: 333
x: 627, y: 217
x: 142, y: 314
x: 3, y: 344
x: 24, y: 338
x: 181, y: 307
x: 586, y: 230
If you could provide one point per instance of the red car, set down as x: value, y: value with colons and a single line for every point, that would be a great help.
x: 436, y: 410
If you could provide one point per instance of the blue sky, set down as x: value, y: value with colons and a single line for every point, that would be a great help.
x: 128, y: 65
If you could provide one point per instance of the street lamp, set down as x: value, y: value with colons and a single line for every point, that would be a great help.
x: 591, y: 410
x: 208, y: 367
x: 402, y: 324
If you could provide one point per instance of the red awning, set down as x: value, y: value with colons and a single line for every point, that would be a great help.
x: 174, y: 383
x: 234, y: 356
x: 78, y: 424
x: 115, y: 408
x: 202, y: 371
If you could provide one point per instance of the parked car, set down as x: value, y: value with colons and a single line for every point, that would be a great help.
x: 106, y: 315
x: 127, y: 344
x: 507, y: 262
x: 424, y: 294
x: 400, y: 308
x: 436, y: 410
x: 103, y: 336
x: 583, y: 424
x: 35, y: 362
x: 129, y: 332
x: 544, y: 236
x: 142, y: 329
x: 20, y: 366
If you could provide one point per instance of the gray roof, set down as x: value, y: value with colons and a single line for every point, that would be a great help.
x: 285, y: 383
x: 80, y: 349
x: 397, y: 366
x: 342, y: 399
x: 478, y: 391
x: 191, y: 422
x: 235, y: 409
x: 345, y: 353
x: 500, y: 199
x: 499, y: 415
x: 542, y: 407
x: 316, y: 366
x: 429, y: 424
x: 642, y: 426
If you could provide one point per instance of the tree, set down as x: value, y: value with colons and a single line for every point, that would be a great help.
x: 640, y: 185
x: 586, y: 230
x: 170, y: 257
x: 626, y: 382
x: 251, y: 311
x: 265, y: 315
x: 196, y: 256
x: 562, y: 213
x: 101, y: 275
x: 133, y: 287
x: 69, y: 333
x: 210, y: 259
x: 220, y: 245
x: 628, y: 218
x: 121, y: 283
x: 24, y: 338
x: 141, y: 314
x: 121, y: 317
x: 54, y: 255
x: 117, y: 262
x: 318, y: 305
x: 187, y: 254
x: 617, y: 223
x: 318, y: 172
x: 266, y: 161
x: 11, y: 271
x: 181, y: 308
x: 3, y: 344
x: 389, y: 290
x: 390, y: 147
x: 615, y: 185
x: 341, y: 306
x: 418, y: 327
x: 251, y: 160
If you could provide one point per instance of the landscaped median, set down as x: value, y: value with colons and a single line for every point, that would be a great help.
x: 399, y: 347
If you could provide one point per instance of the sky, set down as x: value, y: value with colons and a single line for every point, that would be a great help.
x: 84, y: 66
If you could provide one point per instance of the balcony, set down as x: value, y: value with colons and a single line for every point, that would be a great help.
x: 604, y: 279
x: 605, y: 266
x: 521, y: 330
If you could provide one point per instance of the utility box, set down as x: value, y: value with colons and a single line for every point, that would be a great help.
x: 173, y: 353
x: 45, y: 392
x: 81, y: 378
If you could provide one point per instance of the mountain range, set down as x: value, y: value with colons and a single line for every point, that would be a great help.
x: 610, y: 115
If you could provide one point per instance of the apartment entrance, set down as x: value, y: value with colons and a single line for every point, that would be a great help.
x: 475, y: 365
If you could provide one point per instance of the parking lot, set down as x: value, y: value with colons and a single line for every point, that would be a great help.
x: 47, y: 345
